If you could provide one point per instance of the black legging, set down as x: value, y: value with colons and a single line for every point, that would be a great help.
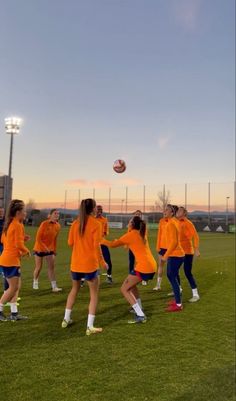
x: 107, y: 258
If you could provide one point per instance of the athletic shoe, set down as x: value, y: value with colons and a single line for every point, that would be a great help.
x: 144, y: 282
x: 157, y: 288
x: 93, y: 330
x: 66, y: 323
x: 19, y: 299
x: 195, y: 298
x: 2, y: 317
x: 35, y: 286
x: 109, y: 280
x: 14, y: 318
x: 138, y: 319
x: 174, y: 308
x: 56, y: 289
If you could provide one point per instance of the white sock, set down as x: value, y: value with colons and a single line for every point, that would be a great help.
x: 138, y: 310
x: 1, y: 307
x: 159, y: 282
x: 195, y: 292
x: 53, y: 284
x: 67, y: 315
x: 90, y: 321
x: 14, y: 308
x: 139, y: 302
x: 36, y: 281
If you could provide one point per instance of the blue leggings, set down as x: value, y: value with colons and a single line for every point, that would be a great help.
x: 131, y: 261
x: 173, y: 266
x: 107, y: 258
x: 188, y: 264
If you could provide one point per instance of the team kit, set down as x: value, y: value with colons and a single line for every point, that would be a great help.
x: 177, y: 244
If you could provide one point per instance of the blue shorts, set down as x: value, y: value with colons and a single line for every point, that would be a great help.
x: 143, y: 276
x: 162, y: 251
x: 77, y: 276
x: 42, y: 254
x: 10, y: 272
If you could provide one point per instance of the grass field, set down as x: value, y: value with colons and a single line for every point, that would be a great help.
x: 186, y: 356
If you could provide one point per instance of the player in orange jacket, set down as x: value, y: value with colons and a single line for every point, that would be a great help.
x: 105, y: 251
x: 85, y: 236
x: 189, y: 240
x: 145, y: 266
x: 174, y: 256
x: 45, y: 247
x: 161, y: 247
x: 14, y: 249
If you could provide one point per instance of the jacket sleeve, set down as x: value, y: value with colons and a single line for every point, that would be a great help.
x: 97, y: 244
x: 124, y: 240
x: 20, y: 240
x: 173, y: 234
x: 55, y: 239
x: 194, y: 235
x: 159, y: 233
x: 39, y: 235
x: 71, y: 234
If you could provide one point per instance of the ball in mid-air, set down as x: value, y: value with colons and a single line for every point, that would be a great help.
x: 119, y: 166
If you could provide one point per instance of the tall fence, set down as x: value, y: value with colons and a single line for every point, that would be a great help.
x: 206, y: 197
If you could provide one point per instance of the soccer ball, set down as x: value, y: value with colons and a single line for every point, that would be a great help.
x: 119, y: 166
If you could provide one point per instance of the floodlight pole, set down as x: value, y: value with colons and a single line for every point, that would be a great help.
x: 12, y: 127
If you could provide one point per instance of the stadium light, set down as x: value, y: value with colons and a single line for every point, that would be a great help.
x: 12, y: 127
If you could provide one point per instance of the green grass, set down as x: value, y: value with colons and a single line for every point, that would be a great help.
x: 187, y: 356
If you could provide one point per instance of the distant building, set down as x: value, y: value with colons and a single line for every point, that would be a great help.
x: 5, y: 190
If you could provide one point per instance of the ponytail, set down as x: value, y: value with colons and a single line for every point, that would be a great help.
x: 140, y: 225
x: 15, y: 206
x: 86, y: 208
x: 142, y: 230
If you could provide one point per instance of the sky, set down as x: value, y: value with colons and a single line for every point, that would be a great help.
x: 151, y: 82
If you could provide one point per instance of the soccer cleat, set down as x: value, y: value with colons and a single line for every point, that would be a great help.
x: 66, y: 323
x: 138, y: 319
x: 109, y: 280
x: 174, y: 308
x: 157, y: 288
x: 195, y: 298
x: 144, y: 282
x: 56, y: 289
x: 171, y: 294
x: 35, y: 286
x: 3, y: 317
x: 93, y: 330
x: 19, y: 299
x: 14, y: 318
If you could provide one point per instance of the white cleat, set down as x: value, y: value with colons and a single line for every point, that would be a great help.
x: 195, y: 298
x: 35, y: 286
x: 157, y: 288
x: 56, y: 289
x: 144, y: 282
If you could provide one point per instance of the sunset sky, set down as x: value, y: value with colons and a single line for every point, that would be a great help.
x: 151, y: 82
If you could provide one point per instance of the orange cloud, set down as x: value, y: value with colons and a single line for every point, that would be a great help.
x: 81, y: 183
x: 129, y: 181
